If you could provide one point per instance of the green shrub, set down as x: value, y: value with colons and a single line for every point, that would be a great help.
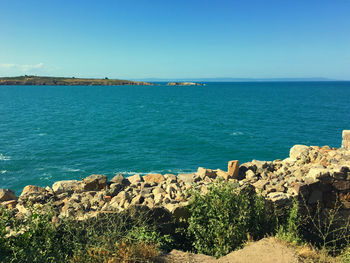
x: 290, y: 230
x: 222, y: 219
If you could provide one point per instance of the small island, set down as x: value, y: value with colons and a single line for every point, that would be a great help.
x: 63, y: 81
x: 184, y: 84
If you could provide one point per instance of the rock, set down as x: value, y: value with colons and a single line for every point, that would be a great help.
x: 317, y: 173
x: 9, y: 204
x: 66, y: 186
x: 187, y: 178
x: 158, y: 198
x: 149, y: 202
x: 300, y: 152
x: 279, y: 198
x: 250, y: 175
x: 202, y: 173
x: 153, y: 178
x: 95, y: 182
x: 170, y: 178
x: 262, y: 166
x: 342, y: 185
x: 222, y: 174
x: 315, y: 196
x: 233, y: 169
x: 7, y: 195
x: 346, y: 139
x: 33, y: 189
x: 135, y: 179
x: 119, y: 179
x: 137, y: 200
x: 261, y: 184
x: 121, y: 198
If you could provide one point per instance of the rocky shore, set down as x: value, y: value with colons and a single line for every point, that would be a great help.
x: 184, y: 84
x: 312, y: 173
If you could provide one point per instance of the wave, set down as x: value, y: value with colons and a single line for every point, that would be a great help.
x: 3, y: 171
x: 236, y: 133
x: 4, y: 158
x: 72, y: 170
x: 175, y: 171
x: 42, y: 134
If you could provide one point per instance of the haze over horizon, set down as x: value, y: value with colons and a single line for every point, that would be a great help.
x: 176, y: 40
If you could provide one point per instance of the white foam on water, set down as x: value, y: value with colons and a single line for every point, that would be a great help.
x: 42, y: 134
x: 3, y: 171
x: 72, y: 170
x: 236, y: 133
x: 4, y: 158
x: 175, y: 171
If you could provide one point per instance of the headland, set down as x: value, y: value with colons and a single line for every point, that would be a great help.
x: 63, y: 81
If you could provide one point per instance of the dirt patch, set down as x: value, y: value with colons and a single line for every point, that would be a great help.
x: 267, y: 250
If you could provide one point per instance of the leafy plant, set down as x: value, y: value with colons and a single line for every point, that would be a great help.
x: 222, y: 219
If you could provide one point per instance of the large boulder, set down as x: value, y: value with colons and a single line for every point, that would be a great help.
x: 119, y: 179
x: 233, y: 169
x: 188, y: 178
x: 68, y: 186
x: 95, y: 182
x: 7, y: 195
x: 136, y: 178
x: 153, y: 178
x: 222, y: 174
x: 203, y: 172
x: 34, y: 194
x: 300, y: 153
x: 33, y: 189
x: 316, y: 174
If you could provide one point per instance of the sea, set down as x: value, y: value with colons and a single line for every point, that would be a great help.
x: 51, y: 133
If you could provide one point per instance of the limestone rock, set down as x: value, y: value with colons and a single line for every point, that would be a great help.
x: 202, y: 173
x: 135, y: 179
x: 300, y: 152
x: 7, y: 195
x: 9, y: 204
x: 279, y: 198
x: 170, y: 178
x: 119, y: 179
x: 66, y: 186
x: 153, y: 178
x: 233, y: 169
x: 95, y: 182
x: 33, y: 189
x: 317, y: 173
x: 187, y: 178
x: 222, y: 174
x: 346, y: 139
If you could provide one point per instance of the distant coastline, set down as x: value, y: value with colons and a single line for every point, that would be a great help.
x: 62, y: 81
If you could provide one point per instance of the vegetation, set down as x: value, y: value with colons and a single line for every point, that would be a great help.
x: 52, y: 81
x: 220, y: 221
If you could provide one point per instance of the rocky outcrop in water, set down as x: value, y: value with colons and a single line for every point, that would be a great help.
x: 316, y: 175
x: 184, y: 84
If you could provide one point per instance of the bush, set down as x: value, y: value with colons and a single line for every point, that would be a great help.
x: 107, y: 236
x: 290, y: 230
x: 222, y: 219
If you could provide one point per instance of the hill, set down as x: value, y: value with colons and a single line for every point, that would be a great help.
x: 61, y: 81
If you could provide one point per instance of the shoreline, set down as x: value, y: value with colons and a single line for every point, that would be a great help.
x: 318, y: 174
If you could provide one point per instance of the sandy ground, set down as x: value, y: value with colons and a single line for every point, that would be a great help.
x: 267, y: 250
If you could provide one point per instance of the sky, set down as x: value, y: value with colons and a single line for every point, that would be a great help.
x: 135, y: 39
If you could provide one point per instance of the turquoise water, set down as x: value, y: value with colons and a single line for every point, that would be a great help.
x: 50, y: 133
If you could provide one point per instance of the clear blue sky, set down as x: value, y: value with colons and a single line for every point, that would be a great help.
x: 175, y: 39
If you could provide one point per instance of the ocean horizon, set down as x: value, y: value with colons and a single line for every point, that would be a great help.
x: 52, y: 133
